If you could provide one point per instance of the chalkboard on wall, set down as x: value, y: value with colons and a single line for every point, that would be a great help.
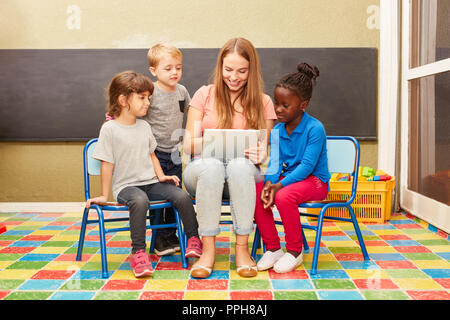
x: 59, y: 95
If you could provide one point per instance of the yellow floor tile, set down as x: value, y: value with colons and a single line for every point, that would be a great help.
x: 340, y: 243
x: 225, y: 265
x: 367, y: 274
x: 439, y: 248
x: 371, y: 249
x: 110, y: 257
x: 432, y: 264
x: 17, y: 274
x: 45, y: 232
x: 5, y: 264
x: 426, y: 236
x: 125, y: 275
x: 206, y: 295
x: 64, y: 265
x: 50, y: 250
x: 417, y: 284
x: 166, y: 285
x: 387, y: 232
x: 322, y: 257
x: 65, y: 238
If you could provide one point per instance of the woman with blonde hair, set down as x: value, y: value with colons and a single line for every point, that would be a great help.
x: 235, y: 101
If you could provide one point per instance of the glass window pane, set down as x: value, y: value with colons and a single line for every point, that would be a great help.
x: 429, y: 144
x: 430, y: 31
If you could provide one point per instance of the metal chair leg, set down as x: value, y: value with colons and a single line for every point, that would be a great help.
x: 101, y: 224
x: 181, y: 239
x: 317, y: 241
x: 82, y: 234
x: 358, y: 233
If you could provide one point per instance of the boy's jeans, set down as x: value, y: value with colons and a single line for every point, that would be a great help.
x: 210, y: 181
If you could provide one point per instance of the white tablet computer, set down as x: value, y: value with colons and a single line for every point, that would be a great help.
x: 228, y: 144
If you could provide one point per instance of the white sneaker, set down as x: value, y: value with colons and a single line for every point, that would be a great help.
x: 269, y: 259
x: 288, y: 263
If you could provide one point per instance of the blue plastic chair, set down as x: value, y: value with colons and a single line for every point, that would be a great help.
x: 343, y: 157
x: 91, y: 167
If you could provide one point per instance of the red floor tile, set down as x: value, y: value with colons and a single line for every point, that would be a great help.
x: 349, y: 256
x: 205, y: 284
x: 251, y: 295
x: 119, y: 244
x: 408, y: 226
x: 17, y: 249
x: 412, y: 249
x: 5, y: 243
x: 162, y: 295
x: 429, y: 295
x: 72, y: 257
x: 375, y: 284
x: 4, y: 294
x: 62, y: 223
x: 374, y: 243
x: 37, y: 238
x: 395, y: 237
x: 296, y: 274
x: 396, y: 264
x: 169, y: 266
x: 124, y: 285
x: 53, y: 274
x: 333, y: 233
x: 443, y: 282
x: 222, y: 250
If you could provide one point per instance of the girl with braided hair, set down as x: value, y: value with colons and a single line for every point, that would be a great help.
x: 297, y: 170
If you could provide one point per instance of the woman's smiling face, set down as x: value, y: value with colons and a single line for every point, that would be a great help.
x: 235, y: 70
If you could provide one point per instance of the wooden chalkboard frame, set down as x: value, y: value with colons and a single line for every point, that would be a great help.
x: 58, y: 94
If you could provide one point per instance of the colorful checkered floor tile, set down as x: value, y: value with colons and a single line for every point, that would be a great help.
x: 409, y: 261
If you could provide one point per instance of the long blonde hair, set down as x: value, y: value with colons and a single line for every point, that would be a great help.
x: 252, y: 93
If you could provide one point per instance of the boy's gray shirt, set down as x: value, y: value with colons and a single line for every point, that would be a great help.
x: 165, y: 115
x: 129, y: 149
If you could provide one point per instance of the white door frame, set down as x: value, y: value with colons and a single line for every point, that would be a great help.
x: 427, y: 209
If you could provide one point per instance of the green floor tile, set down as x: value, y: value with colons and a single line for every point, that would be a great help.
x: 333, y: 284
x: 223, y: 258
x: 434, y: 242
x: 97, y: 265
x: 416, y: 231
x: 406, y: 274
x: 421, y: 256
x: 295, y: 295
x: 9, y: 284
x: 29, y: 265
x: 10, y: 238
x: 171, y: 274
x: 86, y: 250
x: 250, y: 285
x: 385, y: 295
x: 84, y: 285
x: 325, y: 265
x: 29, y: 295
x: 345, y: 249
x: 58, y: 244
x: 10, y: 256
x: 117, y: 295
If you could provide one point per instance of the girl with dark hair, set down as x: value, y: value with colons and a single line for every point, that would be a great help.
x: 297, y: 170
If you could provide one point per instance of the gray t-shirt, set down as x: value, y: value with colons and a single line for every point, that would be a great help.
x: 165, y: 115
x: 129, y: 149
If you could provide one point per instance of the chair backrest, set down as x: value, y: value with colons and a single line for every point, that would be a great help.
x: 343, y: 154
x: 91, y: 166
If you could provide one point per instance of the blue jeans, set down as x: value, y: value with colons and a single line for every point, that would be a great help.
x: 210, y: 181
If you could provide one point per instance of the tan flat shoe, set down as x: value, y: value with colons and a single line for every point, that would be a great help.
x: 199, y: 271
x: 247, y: 271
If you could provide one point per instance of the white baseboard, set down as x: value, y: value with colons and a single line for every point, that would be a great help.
x: 42, y: 206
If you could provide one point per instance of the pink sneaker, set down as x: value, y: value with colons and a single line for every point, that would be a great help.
x: 194, y: 248
x: 141, y: 264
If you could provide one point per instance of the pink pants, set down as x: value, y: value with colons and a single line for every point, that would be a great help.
x: 287, y: 200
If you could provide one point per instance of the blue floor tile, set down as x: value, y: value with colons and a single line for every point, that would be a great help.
x: 387, y: 256
x: 363, y: 265
x: 89, y: 275
x: 292, y: 284
x: 402, y: 243
x: 39, y: 257
x: 72, y: 295
x: 41, y: 284
x: 27, y: 243
x: 339, y: 295
x: 329, y: 274
x: 438, y: 273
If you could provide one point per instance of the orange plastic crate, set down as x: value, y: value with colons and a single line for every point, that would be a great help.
x: 372, y: 203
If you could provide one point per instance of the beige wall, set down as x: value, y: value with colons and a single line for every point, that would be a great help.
x: 53, y: 171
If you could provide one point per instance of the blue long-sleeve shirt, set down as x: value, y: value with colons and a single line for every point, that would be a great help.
x: 300, y: 154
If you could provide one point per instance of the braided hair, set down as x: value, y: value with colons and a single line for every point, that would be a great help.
x: 301, y: 82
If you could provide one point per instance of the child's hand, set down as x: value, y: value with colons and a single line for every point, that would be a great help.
x: 96, y: 200
x: 256, y: 154
x: 171, y: 179
x: 270, y: 190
